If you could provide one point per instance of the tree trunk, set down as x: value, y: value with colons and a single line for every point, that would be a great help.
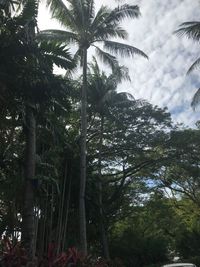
x: 104, y: 239
x: 67, y: 211
x: 61, y: 209
x: 82, y: 215
x: 28, y: 218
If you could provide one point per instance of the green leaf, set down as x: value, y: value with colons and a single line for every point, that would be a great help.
x: 60, y: 12
x: 107, y: 58
x: 30, y: 11
x: 123, y: 50
x: 196, y: 99
x: 194, y: 66
x: 122, y: 12
x: 191, y: 29
x: 58, y: 35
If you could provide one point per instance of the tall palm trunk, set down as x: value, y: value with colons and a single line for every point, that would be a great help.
x: 61, y: 208
x: 104, y: 239
x: 82, y: 215
x: 67, y: 210
x: 28, y: 230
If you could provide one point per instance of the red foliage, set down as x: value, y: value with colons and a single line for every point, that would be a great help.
x: 12, y: 254
x: 69, y: 258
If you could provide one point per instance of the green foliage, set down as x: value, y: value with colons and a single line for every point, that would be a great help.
x: 133, y: 152
x: 191, y: 29
x: 85, y: 28
x: 144, y: 238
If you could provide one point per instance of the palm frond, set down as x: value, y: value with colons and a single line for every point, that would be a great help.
x: 62, y: 62
x: 50, y: 53
x: 77, y: 56
x: 58, y: 35
x: 123, y: 99
x: 76, y: 59
x: 121, y: 12
x: 191, y: 29
x: 60, y: 12
x: 106, y: 23
x: 196, y: 99
x: 107, y: 58
x: 110, y: 31
x: 90, y: 8
x: 127, y: 95
x: 94, y: 67
x: 58, y: 54
x: 100, y: 17
x: 123, y: 50
x: 30, y: 11
x: 121, y: 73
x: 78, y: 9
x: 8, y: 6
x: 194, y: 66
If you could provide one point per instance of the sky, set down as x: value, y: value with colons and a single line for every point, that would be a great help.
x: 162, y: 79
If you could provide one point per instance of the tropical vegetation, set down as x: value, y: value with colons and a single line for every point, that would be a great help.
x: 139, y: 205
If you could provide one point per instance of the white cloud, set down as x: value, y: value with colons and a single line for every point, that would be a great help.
x: 161, y: 80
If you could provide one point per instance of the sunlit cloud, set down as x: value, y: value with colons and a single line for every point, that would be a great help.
x: 162, y: 80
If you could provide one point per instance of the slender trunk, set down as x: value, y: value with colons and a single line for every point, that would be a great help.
x: 36, y: 226
x: 28, y: 231
x: 42, y: 226
x: 60, y: 224
x: 82, y: 215
x: 28, y: 216
x: 45, y: 225
x: 104, y: 239
x: 51, y: 215
x: 67, y: 211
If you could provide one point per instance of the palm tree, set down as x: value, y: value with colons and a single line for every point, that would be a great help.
x: 85, y: 28
x: 27, y: 72
x: 102, y: 97
x: 191, y: 30
x: 7, y: 6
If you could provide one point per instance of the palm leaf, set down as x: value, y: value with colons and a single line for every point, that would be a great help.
x: 191, y: 29
x: 94, y: 67
x: 107, y: 58
x: 9, y: 5
x: 58, y: 54
x: 122, y: 12
x: 30, y: 11
x: 109, y: 31
x: 100, y: 17
x: 194, y: 66
x: 78, y: 9
x: 60, y: 12
x: 106, y: 26
x: 90, y: 9
x: 196, y: 99
x: 58, y: 35
x: 123, y: 49
x: 120, y: 73
x: 76, y: 59
x: 122, y: 99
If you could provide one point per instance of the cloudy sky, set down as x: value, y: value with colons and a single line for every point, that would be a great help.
x: 161, y: 80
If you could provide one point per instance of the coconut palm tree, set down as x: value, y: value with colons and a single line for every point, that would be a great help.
x: 191, y: 30
x: 102, y: 97
x: 85, y: 29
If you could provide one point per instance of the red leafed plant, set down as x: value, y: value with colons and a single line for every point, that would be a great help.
x: 69, y: 258
x: 12, y: 254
